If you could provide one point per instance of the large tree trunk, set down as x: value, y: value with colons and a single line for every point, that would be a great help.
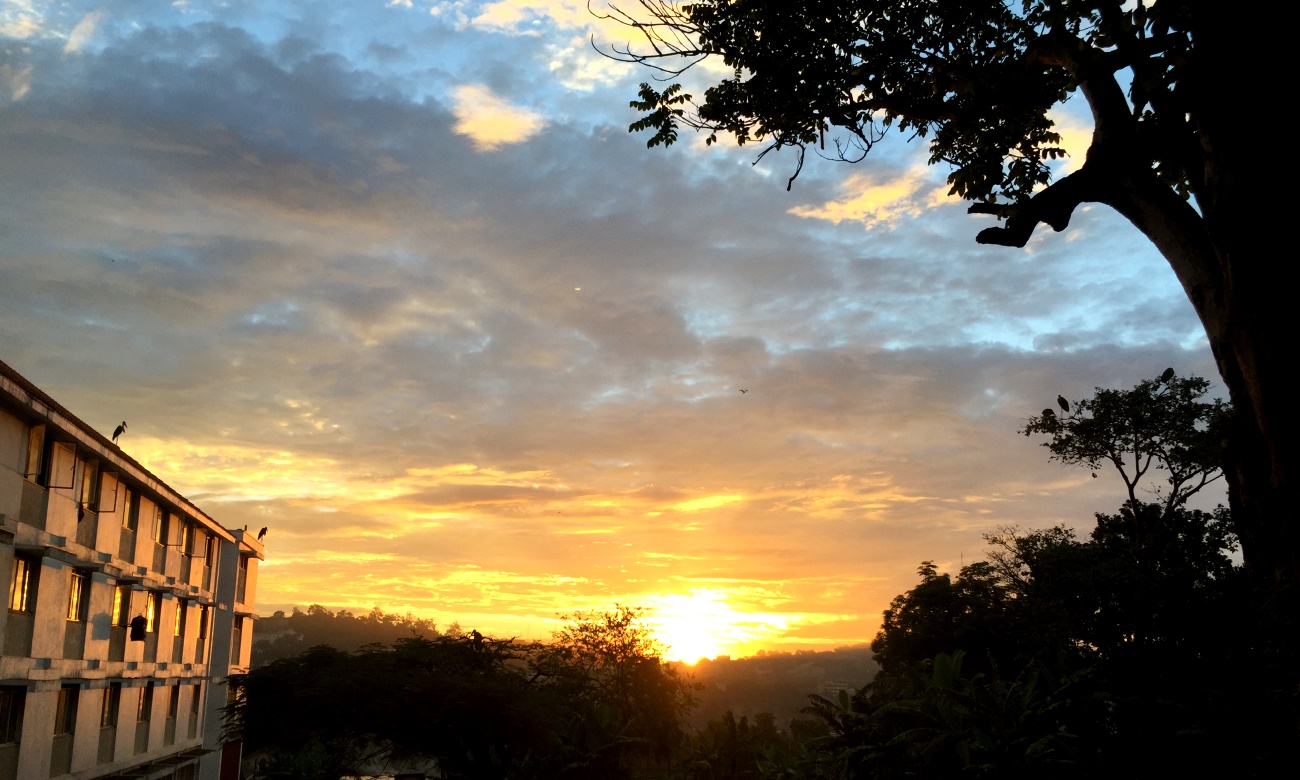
x: 1238, y: 289
x: 1244, y: 304
x: 1254, y: 330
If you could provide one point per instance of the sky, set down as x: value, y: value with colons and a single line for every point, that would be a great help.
x: 394, y: 280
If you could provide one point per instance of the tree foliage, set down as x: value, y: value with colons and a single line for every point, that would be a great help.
x: 1161, y: 425
x: 284, y: 636
x: 596, y: 703
x: 977, y: 80
x: 1124, y: 654
x: 975, y: 77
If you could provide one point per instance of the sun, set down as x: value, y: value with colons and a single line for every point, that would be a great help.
x: 700, y: 625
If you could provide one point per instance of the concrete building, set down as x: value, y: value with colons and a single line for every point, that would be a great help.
x: 128, y: 608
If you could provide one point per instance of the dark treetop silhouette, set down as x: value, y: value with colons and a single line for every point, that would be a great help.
x: 977, y: 78
x: 1123, y: 655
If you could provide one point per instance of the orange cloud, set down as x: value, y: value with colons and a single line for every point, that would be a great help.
x: 873, y: 200
x: 489, y: 120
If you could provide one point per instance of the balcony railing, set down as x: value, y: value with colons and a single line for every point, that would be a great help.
x: 126, y: 545
x: 117, y: 643
x: 86, y: 527
x: 18, y: 633
x: 141, y: 736
x: 9, y: 761
x: 61, y: 755
x: 107, y: 745
x: 74, y: 640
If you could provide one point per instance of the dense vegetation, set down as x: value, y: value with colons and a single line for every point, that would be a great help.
x: 284, y: 636
x: 596, y: 702
x: 1140, y: 650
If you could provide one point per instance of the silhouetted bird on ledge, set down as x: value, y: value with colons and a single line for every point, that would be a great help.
x: 261, y: 533
x: 1064, y: 404
x: 118, y: 431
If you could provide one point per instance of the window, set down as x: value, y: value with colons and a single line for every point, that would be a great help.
x: 78, y: 595
x: 178, y: 629
x: 112, y: 702
x: 89, y: 484
x: 195, y: 699
x: 152, y: 608
x: 241, y: 580
x: 35, y: 467
x: 22, y: 586
x: 122, y: 604
x: 65, y: 713
x: 145, y: 709
x: 130, y: 510
x: 160, y: 523
x: 12, y: 701
x: 174, y: 701
x: 202, y: 636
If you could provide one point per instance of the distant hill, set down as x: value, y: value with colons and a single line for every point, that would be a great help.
x: 778, y: 683
x: 284, y: 636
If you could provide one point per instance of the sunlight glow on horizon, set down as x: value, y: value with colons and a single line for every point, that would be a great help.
x: 704, y: 625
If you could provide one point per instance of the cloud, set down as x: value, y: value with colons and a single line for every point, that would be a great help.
x: 83, y: 32
x: 17, y: 82
x: 523, y: 17
x: 489, y: 120
x: 873, y: 199
x: 19, y: 20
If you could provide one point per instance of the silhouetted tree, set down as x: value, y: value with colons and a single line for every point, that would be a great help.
x: 1127, y: 654
x: 1161, y: 426
x: 978, y: 78
x: 625, y: 702
x: 598, y: 702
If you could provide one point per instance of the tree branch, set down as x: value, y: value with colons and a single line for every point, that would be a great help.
x: 1053, y: 206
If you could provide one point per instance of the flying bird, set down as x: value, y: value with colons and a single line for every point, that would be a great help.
x: 261, y: 533
x: 118, y: 431
x: 1064, y: 404
x: 744, y: 391
x: 1167, y: 375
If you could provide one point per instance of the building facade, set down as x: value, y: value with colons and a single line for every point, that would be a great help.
x: 128, y: 607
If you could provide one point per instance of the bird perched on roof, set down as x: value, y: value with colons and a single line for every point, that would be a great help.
x: 1167, y: 375
x: 1064, y: 404
x: 261, y: 533
x: 118, y: 431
